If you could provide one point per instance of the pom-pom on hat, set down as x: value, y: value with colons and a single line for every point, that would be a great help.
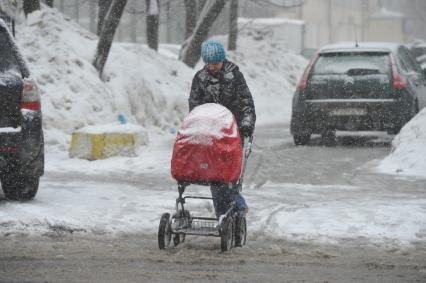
x: 212, y: 52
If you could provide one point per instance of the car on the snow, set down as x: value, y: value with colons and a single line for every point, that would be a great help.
x: 357, y: 87
x: 21, y: 134
x: 418, y: 49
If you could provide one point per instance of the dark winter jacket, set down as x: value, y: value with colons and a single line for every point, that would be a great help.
x: 228, y: 88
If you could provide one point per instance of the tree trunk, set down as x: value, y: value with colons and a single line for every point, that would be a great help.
x: 190, y: 51
x: 168, y: 31
x: 233, y: 25
x: 49, y: 3
x: 200, y: 6
x: 103, y: 7
x: 152, y: 23
x: 31, y: 6
x: 112, y: 19
x: 190, y: 17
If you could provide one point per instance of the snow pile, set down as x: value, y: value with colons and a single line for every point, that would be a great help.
x: 10, y: 10
x: 408, y: 155
x: 148, y: 89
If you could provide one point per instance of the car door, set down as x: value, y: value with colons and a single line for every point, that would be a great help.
x: 415, y: 77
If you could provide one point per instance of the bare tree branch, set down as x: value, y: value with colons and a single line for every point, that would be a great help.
x: 112, y: 19
x: 190, y: 52
x: 233, y: 25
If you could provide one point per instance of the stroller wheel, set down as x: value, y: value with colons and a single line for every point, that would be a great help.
x: 226, y: 235
x: 183, y: 219
x: 176, y: 239
x: 164, y: 231
x: 240, y: 231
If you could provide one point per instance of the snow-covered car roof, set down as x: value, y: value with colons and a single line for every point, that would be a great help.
x: 360, y: 47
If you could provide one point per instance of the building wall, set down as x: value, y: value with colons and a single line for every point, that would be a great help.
x: 385, y: 30
x: 329, y: 21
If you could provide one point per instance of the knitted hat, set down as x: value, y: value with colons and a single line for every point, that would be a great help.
x: 212, y: 52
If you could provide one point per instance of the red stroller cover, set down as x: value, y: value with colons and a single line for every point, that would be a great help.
x: 208, y: 146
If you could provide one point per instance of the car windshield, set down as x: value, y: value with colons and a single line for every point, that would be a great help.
x: 344, y: 63
x: 7, y: 58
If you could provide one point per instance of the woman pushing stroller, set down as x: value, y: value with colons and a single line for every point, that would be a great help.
x: 211, y: 148
x: 220, y: 81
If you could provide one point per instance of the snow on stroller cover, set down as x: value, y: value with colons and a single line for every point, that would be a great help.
x: 207, y: 147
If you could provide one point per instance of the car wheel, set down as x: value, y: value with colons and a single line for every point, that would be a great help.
x: 302, y: 139
x: 328, y: 138
x: 17, y: 187
x: 393, y: 131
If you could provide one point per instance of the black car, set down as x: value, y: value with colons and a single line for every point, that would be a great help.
x: 21, y: 134
x: 357, y: 87
x: 418, y: 49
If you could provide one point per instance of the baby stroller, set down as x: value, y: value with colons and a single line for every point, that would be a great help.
x: 207, y: 150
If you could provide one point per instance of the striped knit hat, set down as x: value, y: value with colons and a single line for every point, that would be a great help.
x: 212, y: 52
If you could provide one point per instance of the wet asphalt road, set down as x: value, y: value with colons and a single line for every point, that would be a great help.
x: 65, y: 257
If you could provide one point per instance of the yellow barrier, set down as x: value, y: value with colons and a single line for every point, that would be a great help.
x: 94, y: 146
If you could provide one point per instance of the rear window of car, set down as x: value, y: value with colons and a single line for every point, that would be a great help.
x: 7, y: 57
x: 342, y: 63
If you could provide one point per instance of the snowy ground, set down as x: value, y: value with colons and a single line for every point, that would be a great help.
x: 338, y: 201
x: 127, y: 195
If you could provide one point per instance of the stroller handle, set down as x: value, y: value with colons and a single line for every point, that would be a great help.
x: 247, y: 143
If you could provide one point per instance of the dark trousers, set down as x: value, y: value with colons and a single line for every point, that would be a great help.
x: 223, y: 195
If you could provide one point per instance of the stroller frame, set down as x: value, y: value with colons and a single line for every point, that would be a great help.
x: 231, y: 227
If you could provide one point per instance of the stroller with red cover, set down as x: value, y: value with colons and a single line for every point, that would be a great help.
x: 207, y: 150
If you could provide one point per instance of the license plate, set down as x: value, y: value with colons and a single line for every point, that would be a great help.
x: 348, y: 112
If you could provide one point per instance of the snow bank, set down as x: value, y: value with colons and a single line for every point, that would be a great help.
x: 408, y: 156
x: 150, y: 90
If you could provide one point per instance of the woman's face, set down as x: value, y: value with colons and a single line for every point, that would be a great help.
x: 214, y: 68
